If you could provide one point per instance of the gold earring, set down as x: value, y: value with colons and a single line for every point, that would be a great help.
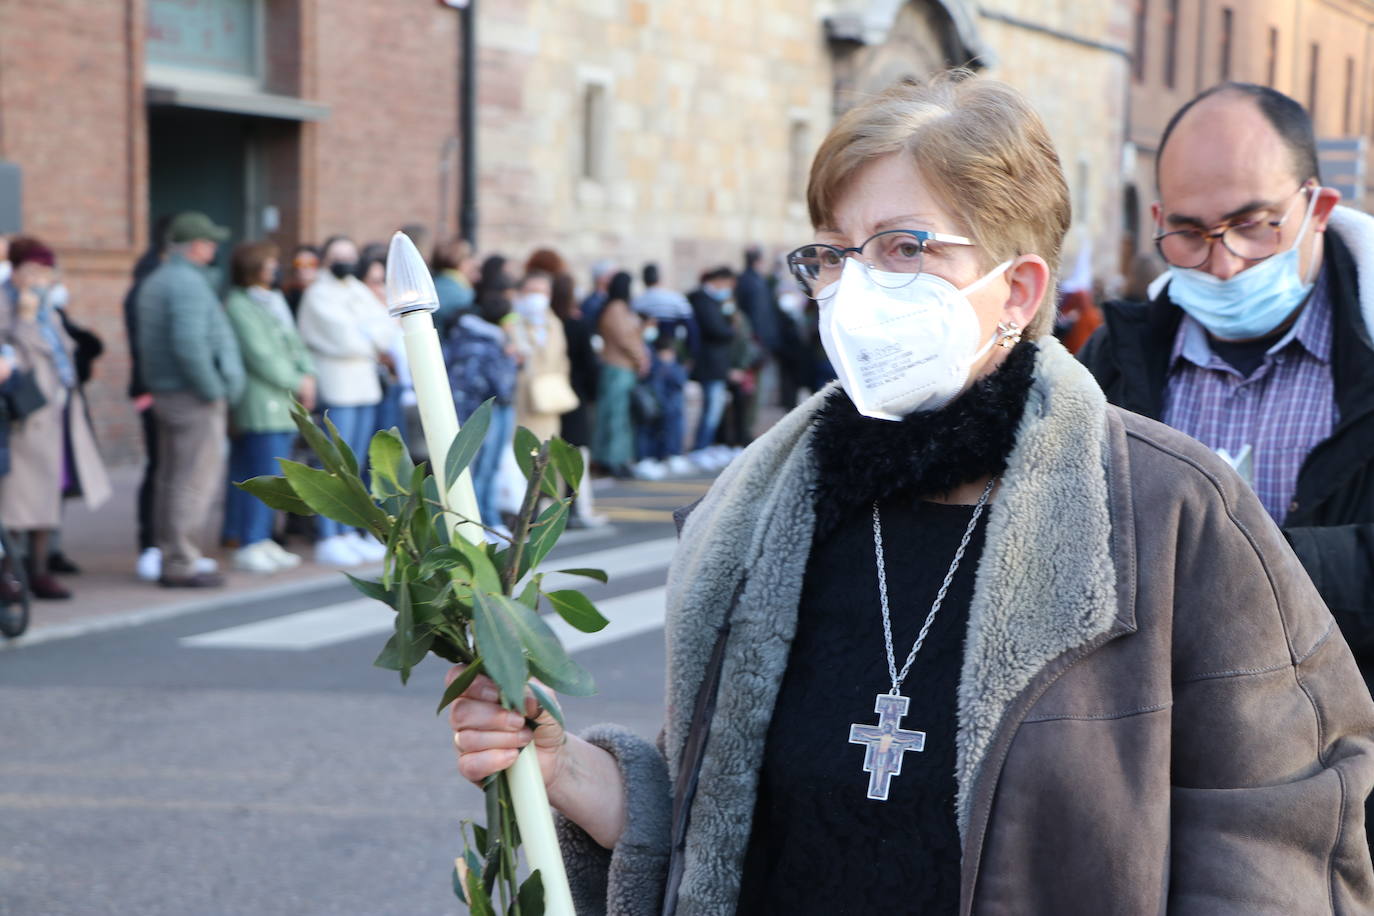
x: 1009, y: 334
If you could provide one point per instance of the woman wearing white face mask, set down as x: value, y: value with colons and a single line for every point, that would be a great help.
x: 955, y: 636
x: 544, y: 391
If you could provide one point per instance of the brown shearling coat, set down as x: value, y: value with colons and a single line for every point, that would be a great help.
x: 1157, y: 714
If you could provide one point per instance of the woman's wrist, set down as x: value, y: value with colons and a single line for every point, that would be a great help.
x: 586, y: 786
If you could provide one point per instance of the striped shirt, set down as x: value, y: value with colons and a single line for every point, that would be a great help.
x: 1281, y: 411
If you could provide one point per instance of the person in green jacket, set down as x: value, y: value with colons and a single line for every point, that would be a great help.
x: 189, y: 362
x: 278, y: 368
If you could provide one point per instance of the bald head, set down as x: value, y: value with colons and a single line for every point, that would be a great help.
x: 1247, y: 112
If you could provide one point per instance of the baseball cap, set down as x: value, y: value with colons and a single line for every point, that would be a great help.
x: 192, y: 225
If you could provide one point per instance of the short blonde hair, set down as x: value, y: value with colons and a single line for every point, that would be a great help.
x: 982, y: 149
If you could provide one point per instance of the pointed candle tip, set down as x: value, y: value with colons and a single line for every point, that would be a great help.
x: 409, y: 287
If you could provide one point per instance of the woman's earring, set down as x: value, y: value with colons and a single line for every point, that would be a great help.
x: 1009, y: 334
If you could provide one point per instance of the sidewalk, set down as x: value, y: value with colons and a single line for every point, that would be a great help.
x: 105, y: 545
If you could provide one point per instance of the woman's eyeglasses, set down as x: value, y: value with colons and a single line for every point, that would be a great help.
x: 895, y: 256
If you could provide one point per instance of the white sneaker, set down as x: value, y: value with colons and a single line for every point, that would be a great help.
x: 149, y: 566
x: 207, y: 565
x: 285, y: 558
x: 366, y: 546
x: 681, y: 465
x: 336, y: 551
x: 649, y: 469
x: 256, y: 558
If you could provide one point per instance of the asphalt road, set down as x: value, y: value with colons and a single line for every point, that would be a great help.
x: 250, y: 760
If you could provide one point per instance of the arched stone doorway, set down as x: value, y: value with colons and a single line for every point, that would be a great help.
x: 878, y: 42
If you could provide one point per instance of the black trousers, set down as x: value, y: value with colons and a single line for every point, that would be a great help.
x: 146, y: 536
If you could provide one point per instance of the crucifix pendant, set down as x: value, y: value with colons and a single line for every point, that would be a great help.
x: 886, y: 743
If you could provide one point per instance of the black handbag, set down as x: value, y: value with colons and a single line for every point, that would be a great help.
x: 644, y: 405
x: 22, y: 395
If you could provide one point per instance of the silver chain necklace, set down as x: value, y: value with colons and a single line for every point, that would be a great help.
x: 886, y: 742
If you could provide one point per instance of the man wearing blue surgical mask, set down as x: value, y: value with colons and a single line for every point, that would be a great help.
x: 1257, y: 341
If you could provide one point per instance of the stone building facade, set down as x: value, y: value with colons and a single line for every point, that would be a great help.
x: 1320, y: 52
x: 640, y: 130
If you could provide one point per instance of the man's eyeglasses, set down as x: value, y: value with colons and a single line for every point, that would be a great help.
x: 1247, y: 239
x: 897, y: 253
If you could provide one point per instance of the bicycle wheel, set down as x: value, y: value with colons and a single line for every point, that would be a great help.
x: 14, y: 600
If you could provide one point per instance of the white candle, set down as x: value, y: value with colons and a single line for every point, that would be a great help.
x: 411, y: 297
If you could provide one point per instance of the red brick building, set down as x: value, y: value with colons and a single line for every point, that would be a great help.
x: 284, y: 119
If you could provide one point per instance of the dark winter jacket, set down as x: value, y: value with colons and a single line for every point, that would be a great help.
x: 478, y: 365
x: 1331, y: 521
x: 1156, y: 713
x: 713, y: 358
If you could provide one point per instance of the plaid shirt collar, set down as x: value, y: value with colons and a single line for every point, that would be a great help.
x: 1311, y: 332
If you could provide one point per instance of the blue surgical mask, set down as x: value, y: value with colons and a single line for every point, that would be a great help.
x: 1253, y: 302
x: 718, y: 293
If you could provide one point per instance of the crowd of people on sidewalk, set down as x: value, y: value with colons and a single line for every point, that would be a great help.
x: 218, y: 360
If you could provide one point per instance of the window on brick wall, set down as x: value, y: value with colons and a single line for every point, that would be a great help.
x: 1271, y: 62
x: 1171, y: 44
x: 1142, y: 23
x: 595, y: 131
x: 798, y: 159
x: 1227, y: 42
x: 1313, y: 71
x: 1348, y: 115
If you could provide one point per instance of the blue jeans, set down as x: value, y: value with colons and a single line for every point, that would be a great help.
x: 356, y: 426
x: 486, y: 467
x: 712, y: 409
x: 664, y: 440
x: 247, y: 519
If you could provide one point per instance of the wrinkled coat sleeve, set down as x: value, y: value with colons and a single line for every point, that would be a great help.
x: 1340, y: 560
x: 1273, y: 727
x: 192, y: 310
x: 629, y: 879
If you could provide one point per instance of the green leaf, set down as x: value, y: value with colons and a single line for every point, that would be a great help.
x: 440, y: 559
x: 546, y: 701
x: 484, y: 574
x: 530, y: 900
x: 479, y: 903
x: 568, y: 461
x: 539, y: 640
x: 458, y: 886
x: 344, y: 501
x: 574, y: 607
x: 573, y: 679
x: 526, y: 450
x: 479, y: 838
x: 371, y: 589
x: 597, y: 574
x: 530, y: 596
x: 410, y: 645
x: 438, y: 523
x: 544, y: 534
x: 390, y: 656
x: 389, y: 462
x: 467, y: 443
x: 348, y: 460
x: 499, y: 646
x: 276, y: 493
x: 319, y: 443
x: 460, y: 683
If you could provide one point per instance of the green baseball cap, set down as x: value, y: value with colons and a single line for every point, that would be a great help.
x: 191, y: 225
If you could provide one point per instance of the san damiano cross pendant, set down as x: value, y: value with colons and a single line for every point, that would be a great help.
x: 886, y: 743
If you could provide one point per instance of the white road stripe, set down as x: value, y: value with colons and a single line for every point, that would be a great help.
x: 304, y: 630
x: 618, y: 562
x: 629, y: 615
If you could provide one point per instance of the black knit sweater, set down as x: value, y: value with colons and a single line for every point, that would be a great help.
x: 819, y: 844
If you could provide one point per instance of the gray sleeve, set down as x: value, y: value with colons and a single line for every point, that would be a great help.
x: 627, y: 880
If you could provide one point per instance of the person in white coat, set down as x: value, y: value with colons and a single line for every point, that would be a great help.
x: 349, y: 335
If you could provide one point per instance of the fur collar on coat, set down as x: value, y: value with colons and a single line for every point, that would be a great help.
x: 1042, y: 589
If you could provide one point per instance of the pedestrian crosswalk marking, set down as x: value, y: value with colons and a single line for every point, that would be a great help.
x: 629, y: 615
x: 304, y: 630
